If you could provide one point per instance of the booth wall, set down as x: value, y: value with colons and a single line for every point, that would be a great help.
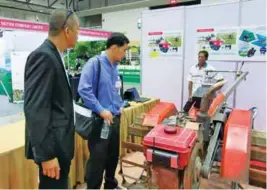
x: 210, y: 16
x: 252, y: 92
x: 162, y: 78
x: 123, y: 21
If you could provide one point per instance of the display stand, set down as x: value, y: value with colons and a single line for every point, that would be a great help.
x: 162, y: 77
x: 22, y: 37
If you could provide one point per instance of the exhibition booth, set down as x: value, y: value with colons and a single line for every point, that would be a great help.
x: 19, y: 38
x: 171, y: 40
x: 231, y: 32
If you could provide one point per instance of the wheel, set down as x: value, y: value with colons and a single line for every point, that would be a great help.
x: 216, y: 48
x: 192, y: 171
x: 234, y: 185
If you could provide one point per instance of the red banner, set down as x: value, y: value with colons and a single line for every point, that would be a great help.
x: 22, y: 25
x: 155, y: 33
x: 40, y: 27
x: 94, y: 33
x: 206, y: 30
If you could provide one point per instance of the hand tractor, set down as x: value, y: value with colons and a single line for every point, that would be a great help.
x: 135, y: 134
x: 180, y: 154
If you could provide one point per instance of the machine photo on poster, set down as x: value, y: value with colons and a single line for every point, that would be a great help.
x: 252, y: 43
x: 165, y: 44
x: 221, y: 43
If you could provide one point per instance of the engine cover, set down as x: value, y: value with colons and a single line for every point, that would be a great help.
x: 169, y: 148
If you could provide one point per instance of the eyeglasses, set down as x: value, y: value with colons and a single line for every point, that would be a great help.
x: 69, y: 13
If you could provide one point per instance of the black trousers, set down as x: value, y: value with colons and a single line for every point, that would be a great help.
x: 50, y: 183
x: 104, y: 156
x: 196, y: 101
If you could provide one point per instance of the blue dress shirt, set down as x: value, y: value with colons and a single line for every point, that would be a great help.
x: 108, y: 96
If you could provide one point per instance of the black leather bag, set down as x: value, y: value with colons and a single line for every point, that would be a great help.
x: 87, y: 123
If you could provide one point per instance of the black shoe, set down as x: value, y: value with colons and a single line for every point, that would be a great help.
x: 111, y: 184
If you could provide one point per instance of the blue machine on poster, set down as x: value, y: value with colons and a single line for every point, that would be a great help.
x: 252, y: 43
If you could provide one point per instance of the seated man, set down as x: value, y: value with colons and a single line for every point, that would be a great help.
x: 196, y: 79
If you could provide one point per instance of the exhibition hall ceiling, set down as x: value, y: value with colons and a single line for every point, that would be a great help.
x: 84, y: 7
x: 42, y: 6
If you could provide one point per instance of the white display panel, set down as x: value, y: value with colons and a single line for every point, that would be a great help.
x: 253, y: 91
x: 18, y: 60
x: 208, y: 16
x: 162, y: 77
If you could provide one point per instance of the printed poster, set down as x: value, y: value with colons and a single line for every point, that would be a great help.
x: 5, y: 68
x: 18, y: 60
x: 2, y: 53
x: 165, y: 44
x: 220, y: 43
x: 252, y: 43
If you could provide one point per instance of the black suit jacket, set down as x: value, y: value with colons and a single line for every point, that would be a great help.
x: 48, y: 106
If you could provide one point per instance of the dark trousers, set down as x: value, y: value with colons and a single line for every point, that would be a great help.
x: 50, y: 183
x: 104, y: 156
x: 196, y: 101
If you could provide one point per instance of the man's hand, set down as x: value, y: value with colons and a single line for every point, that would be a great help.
x: 107, y: 115
x: 51, y: 168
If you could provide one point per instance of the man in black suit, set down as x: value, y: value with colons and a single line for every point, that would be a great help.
x: 48, y: 104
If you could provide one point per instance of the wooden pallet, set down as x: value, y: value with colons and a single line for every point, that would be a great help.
x: 258, y: 138
x: 257, y: 172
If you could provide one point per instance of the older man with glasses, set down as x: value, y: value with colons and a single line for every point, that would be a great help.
x: 48, y: 104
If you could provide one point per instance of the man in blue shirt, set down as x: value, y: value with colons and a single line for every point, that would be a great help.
x: 104, y: 153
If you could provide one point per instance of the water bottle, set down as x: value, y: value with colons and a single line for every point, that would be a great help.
x: 118, y: 85
x: 105, y: 130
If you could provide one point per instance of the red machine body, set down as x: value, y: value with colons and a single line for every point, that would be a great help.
x: 175, y: 146
x: 236, y: 146
x: 158, y: 113
x: 168, y: 150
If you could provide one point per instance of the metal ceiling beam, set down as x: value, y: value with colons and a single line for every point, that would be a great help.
x: 70, y: 3
x: 126, y: 6
x: 50, y: 5
x: 66, y: 3
x: 31, y: 4
x: 21, y: 9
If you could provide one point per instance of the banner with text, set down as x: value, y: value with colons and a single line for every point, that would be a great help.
x: 220, y: 43
x: 233, y: 44
x: 165, y: 44
x: 42, y: 27
x: 131, y: 74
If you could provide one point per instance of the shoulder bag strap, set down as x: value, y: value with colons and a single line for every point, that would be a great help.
x: 98, y: 75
